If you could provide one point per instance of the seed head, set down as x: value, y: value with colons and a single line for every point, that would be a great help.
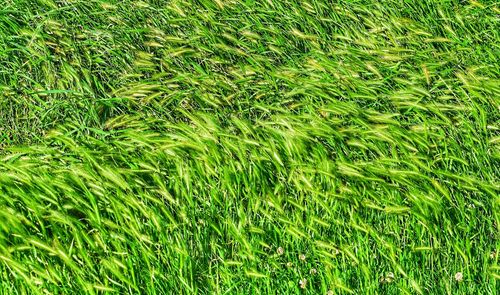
x: 389, y: 277
x: 303, y: 283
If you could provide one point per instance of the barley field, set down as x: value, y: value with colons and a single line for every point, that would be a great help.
x: 249, y: 147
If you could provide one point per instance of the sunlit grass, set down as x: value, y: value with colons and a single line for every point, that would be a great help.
x: 241, y: 147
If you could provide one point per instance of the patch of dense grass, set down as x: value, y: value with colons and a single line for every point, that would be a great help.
x: 240, y: 147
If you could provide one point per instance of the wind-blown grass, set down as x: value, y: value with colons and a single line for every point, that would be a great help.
x: 240, y: 147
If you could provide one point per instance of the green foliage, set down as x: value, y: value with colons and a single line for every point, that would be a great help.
x: 240, y: 147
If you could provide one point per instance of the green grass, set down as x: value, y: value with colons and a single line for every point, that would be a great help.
x: 241, y: 147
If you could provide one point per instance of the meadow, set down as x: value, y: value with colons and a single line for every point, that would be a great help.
x: 249, y: 147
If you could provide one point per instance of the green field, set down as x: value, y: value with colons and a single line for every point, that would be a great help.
x: 249, y: 147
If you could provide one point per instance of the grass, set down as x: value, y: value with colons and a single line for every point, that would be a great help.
x: 241, y: 147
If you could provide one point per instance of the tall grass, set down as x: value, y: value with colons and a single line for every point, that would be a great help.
x: 240, y: 147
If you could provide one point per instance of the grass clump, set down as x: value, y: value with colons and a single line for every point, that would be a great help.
x: 289, y: 147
